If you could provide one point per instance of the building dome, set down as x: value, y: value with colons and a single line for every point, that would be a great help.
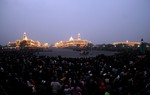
x: 71, y: 38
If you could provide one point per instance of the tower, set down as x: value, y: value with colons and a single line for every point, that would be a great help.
x: 25, y: 36
x: 142, y: 48
x: 79, y: 37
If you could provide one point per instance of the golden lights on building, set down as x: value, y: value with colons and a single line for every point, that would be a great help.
x: 73, y: 42
x: 25, y: 42
x: 29, y: 43
x: 127, y: 43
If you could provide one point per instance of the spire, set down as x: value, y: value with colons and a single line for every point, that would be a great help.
x: 25, y: 36
x: 79, y: 37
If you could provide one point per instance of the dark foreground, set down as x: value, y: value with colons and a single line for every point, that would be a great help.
x: 22, y: 73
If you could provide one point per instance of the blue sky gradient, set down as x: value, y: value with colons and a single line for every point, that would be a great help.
x: 100, y: 21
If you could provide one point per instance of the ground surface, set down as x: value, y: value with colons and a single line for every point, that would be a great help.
x: 73, y: 54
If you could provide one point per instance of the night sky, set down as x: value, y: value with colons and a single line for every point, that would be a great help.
x: 100, y: 21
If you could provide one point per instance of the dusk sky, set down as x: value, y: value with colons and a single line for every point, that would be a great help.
x: 100, y: 21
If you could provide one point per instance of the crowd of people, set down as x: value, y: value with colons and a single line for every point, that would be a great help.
x: 23, y: 73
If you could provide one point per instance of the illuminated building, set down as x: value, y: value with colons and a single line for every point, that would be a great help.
x: 127, y: 43
x: 25, y: 42
x: 45, y: 45
x: 73, y: 43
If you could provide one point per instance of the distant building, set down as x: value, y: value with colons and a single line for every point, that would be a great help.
x: 25, y: 42
x: 127, y: 43
x: 73, y: 43
x: 45, y: 45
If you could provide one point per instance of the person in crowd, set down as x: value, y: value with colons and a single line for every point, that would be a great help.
x: 55, y: 87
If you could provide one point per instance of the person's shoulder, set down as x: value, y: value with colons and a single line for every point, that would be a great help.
x: 57, y: 82
x: 52, y: 83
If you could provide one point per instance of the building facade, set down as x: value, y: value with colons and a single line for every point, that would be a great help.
x: 127, y: 43
x: 24, y: 43
x: 73, y: 43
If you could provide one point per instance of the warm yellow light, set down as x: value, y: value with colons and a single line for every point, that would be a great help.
x: 71, y: 38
